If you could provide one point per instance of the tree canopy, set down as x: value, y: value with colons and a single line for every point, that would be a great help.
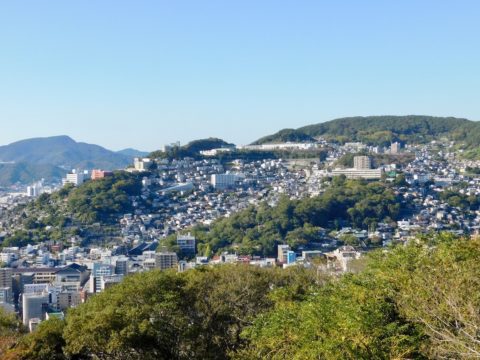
x: 257, y: 230
x: 417, y: 301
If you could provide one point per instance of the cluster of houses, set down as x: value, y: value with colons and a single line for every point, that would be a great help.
x: 43, y: 280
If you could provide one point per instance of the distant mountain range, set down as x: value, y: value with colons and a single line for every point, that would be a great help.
x: 133, y: 153
x: 26, y: 173
x: 33, y: 159
x: 382, y: 130
x: 50, y: 157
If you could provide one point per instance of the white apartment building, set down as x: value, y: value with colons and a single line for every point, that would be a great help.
x: 75, y: 178
x: 225, y: 181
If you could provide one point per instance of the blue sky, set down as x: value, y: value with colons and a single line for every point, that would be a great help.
x: 144, y: 73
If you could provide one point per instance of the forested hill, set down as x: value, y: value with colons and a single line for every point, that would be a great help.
x: 192, y: 149
x: 382, y: 130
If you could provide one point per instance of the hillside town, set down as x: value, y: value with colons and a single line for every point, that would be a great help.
x: 44, y: 280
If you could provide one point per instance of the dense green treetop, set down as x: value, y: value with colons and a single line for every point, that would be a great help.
x: 192, y: 149
x: 414, y: 301
x: 382, y: 130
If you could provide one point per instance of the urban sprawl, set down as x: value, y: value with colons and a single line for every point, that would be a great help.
x: 44, y: 280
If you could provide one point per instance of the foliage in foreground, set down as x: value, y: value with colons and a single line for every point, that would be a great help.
x: 416, y: 301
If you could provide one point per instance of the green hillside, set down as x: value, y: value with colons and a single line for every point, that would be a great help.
x: 74, y: 211
x: 382, y: 130
x: 192, y: 149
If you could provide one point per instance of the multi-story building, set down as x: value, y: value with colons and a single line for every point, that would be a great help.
x: 142, y: 164
x: 186, y: 243
x: 100, y: 174
x: 6, y: 295
x: 362, y: 162
x: 34, y: 306
x: 121, y: 266
x: 38, y: 275
x: 75, y: 178
x: 99, y: 271
x: 395, y: 148
x: 166, y: 260
x: 368, y: 174
x: 291, y: 257
x: 6, y: 277
x: 67, y: 299
x: 283, y: 253
x: 224, y: 181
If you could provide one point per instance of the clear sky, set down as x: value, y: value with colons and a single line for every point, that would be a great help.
x: 143, y: 73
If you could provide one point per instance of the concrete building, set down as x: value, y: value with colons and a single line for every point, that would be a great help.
x: 75, y: 178
x: 67, y: 299
x: 98, y: 272
x: 121, y: 266
x: 108, y: 281
x: 142, y: 164
x: 6, y: 277
x: 280, y: 146
x: 362, y: 169
x: 395, y: 148
x: 32, y: 191
x: 282, y: 255
x: 362, y: 162
x: 224, y: 181
x: 291, y: 257
x: 7, y: 257
x: 100, y: 174
x: 6, y: 295
x: 166, y: 260
x: 38, y: 275
x: 34, y: 306
x: 186, y: 243
x: 368, y: 174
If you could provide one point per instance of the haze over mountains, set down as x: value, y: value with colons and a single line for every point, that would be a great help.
x: 33, y: 159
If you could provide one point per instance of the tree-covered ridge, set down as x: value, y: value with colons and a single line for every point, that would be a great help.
x: 192, y: 149
x: 418, y: 301
x: 382, y: 130
x: 257, y: 230
x: 63, y: 213
x: 286, y: 135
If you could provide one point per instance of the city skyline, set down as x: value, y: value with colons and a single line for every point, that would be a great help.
x: 122, y: 74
